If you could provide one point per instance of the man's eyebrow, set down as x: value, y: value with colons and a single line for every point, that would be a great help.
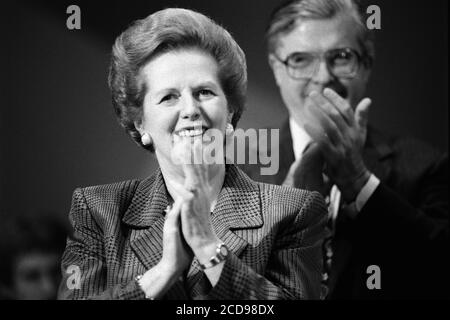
x: 318, y: 51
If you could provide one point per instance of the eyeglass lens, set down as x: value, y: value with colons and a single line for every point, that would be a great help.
x: 340, y: 62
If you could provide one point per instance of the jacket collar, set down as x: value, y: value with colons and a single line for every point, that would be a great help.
x: 149, y: 202
x: 238, y: 204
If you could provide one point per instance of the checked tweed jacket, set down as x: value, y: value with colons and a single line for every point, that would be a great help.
x: 274, y: 235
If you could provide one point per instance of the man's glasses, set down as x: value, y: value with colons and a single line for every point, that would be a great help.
x: 342, y: 63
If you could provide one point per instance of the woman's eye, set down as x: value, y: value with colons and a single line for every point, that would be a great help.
x: 168, y: 98
x: 205, y: 93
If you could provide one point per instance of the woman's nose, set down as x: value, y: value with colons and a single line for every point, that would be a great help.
x: 190, y: 108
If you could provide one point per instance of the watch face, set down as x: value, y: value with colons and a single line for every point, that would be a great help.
x: 223, y: 250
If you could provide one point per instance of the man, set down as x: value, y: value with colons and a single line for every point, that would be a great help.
x: 388, y: 197
x: 30, y: 251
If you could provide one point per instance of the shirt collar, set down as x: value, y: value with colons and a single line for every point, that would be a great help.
x: 300, y: 139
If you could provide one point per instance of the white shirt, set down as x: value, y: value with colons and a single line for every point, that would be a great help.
x: 300, y: 139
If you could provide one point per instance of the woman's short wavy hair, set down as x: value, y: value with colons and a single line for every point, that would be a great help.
x: 161, y: 32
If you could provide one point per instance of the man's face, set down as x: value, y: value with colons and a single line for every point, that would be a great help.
x: 317, y: 36
x: 36, y: 276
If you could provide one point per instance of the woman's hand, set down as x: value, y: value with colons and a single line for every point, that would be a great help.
x: 196, y: 194
x: 177, y: 256
x: 196, y: 205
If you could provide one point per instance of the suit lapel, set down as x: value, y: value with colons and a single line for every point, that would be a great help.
x: 238, y: 207
x: 286, y: 155
x: 145, y: 216
x: 376, y: 153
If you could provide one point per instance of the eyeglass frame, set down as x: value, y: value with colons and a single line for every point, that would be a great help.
x: 360, y: 60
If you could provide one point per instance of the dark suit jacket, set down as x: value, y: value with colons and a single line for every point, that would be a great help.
x: 274, y: 235
x: 403, y: 228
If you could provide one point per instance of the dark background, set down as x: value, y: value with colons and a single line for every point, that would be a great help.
x: 58, y: 130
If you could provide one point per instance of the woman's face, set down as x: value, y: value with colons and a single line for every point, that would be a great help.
x: 183, y: 94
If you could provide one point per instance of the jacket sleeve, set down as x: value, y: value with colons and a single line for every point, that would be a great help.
x: 423, y: 219
x: 83, y: 262
x: 295, y: 265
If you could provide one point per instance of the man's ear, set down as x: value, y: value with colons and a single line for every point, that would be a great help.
x: 275, y: 66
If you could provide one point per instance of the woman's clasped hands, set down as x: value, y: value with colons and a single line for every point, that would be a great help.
x: 188, y: 231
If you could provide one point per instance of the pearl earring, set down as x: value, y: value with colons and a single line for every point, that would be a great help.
x: 146, y: 139
x: 229, y: 129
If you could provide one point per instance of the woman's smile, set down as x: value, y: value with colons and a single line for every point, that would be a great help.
x: 193, y: 131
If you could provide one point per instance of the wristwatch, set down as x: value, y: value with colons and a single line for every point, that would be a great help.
x: 221, y: 255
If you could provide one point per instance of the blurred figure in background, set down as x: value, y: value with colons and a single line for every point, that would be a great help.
x: 30, y: 251
x: 387, y: 196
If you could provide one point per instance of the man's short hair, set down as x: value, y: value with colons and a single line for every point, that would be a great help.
x: 286, y: 16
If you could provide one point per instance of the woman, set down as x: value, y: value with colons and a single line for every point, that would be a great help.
x: 190, y: 231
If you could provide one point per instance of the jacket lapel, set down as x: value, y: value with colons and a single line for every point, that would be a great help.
x: 238, y: 207
x: 286, y: 155
x: 145, y: 216
x: 376, y: 153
